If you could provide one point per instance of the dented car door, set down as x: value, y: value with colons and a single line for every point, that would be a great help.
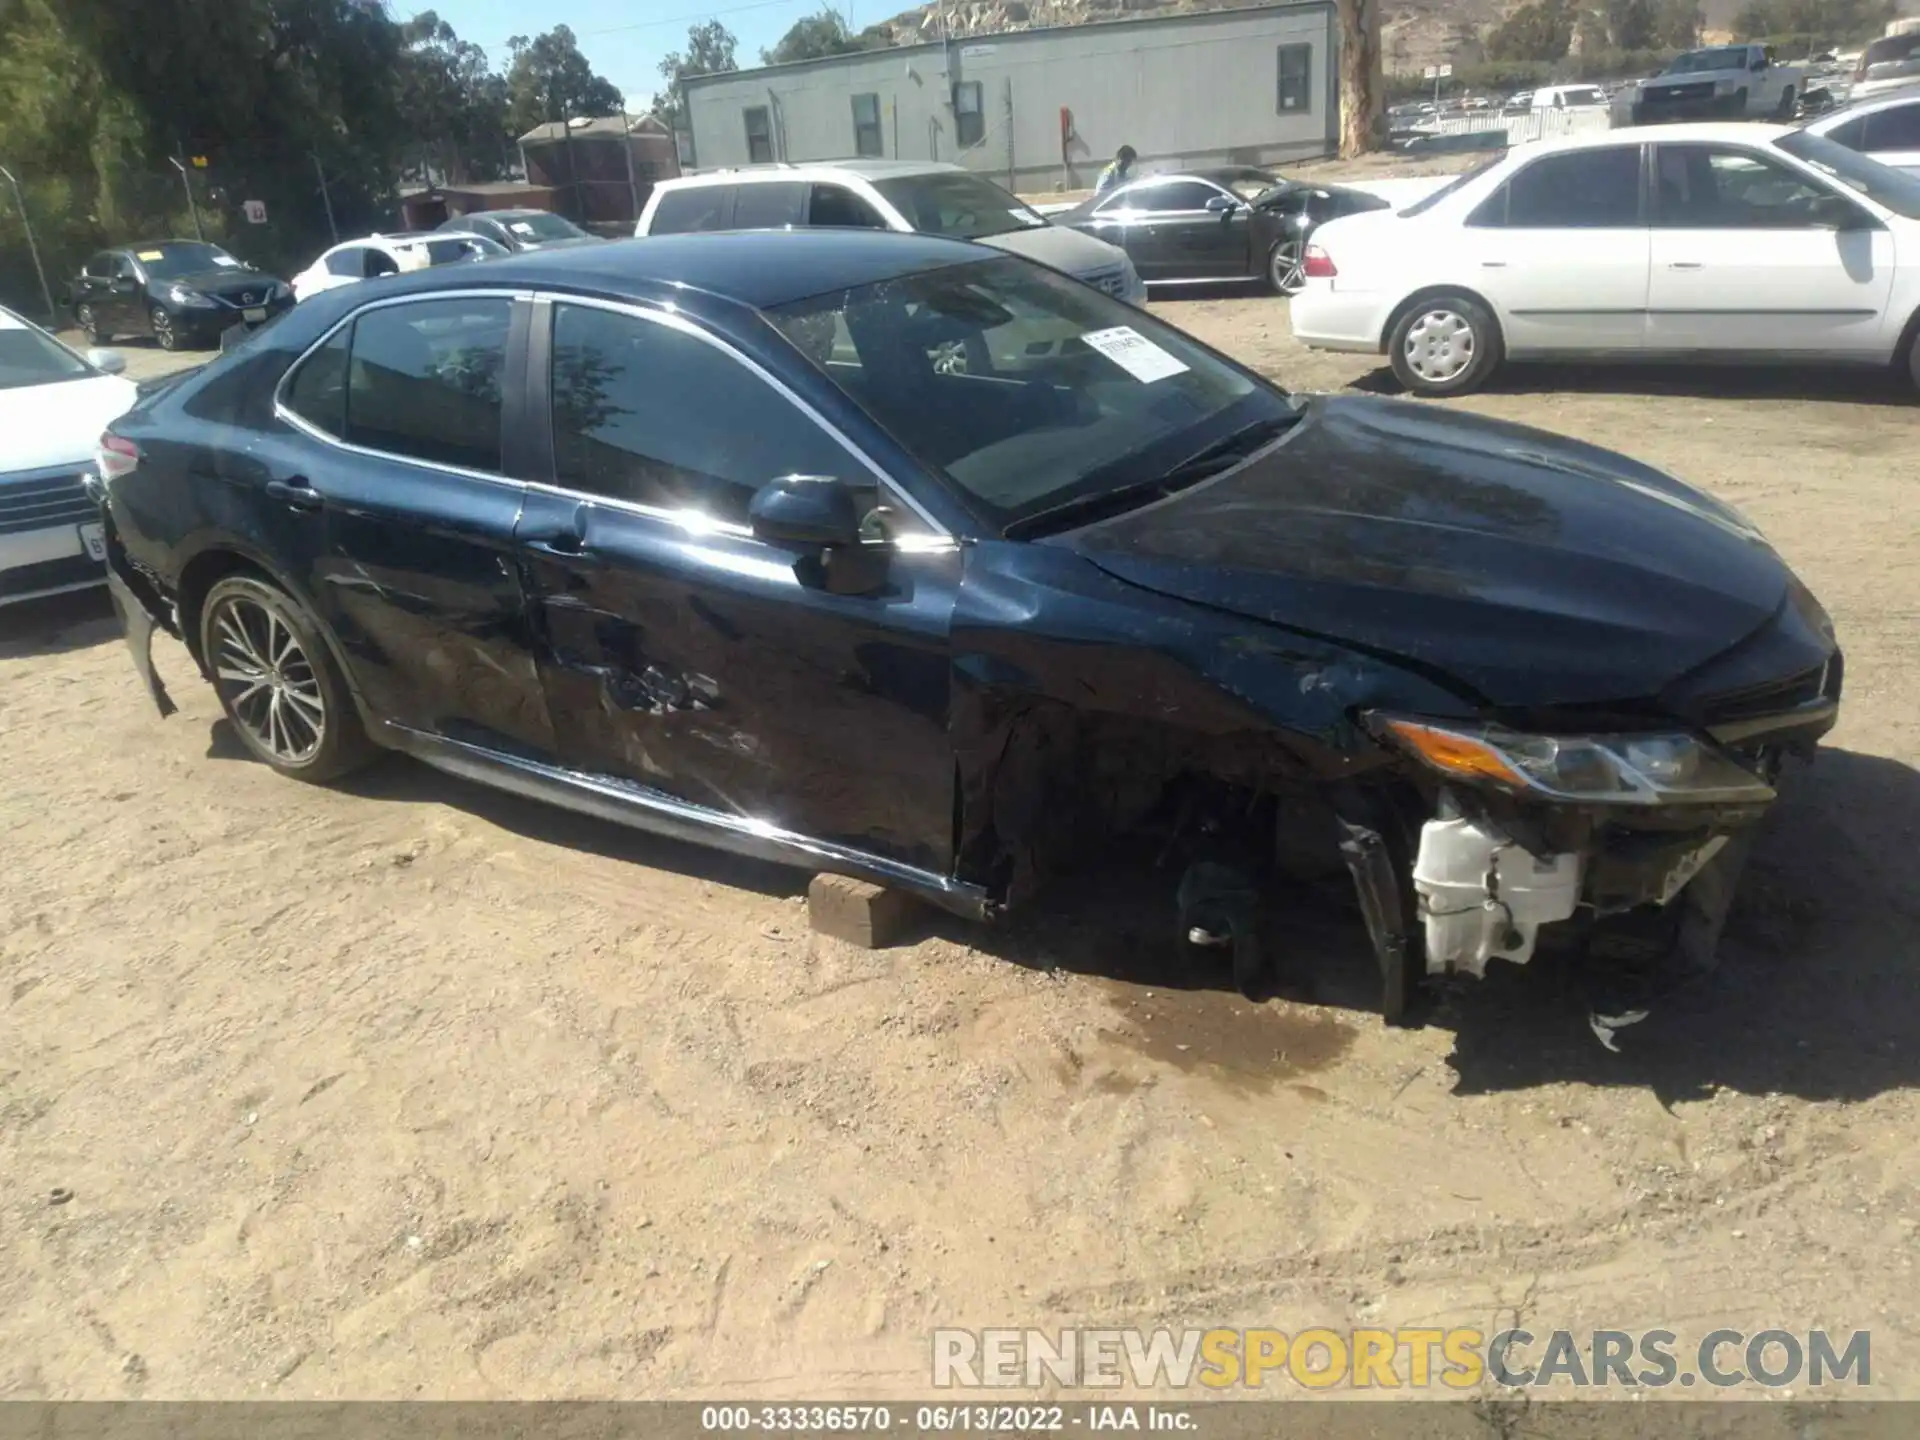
x: 680, y: 653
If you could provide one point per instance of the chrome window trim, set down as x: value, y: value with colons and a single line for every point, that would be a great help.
x: 688, y: 327
x: 287, y: 415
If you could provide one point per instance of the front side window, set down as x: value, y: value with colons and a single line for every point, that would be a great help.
x: 969, y: 116
x: 958, y: 205
x: 101, y: 266
x: 759, y: 135
x: 1895, y: 128
x: 1296, y: 79
x: 350, y: 262
x: 423, y: 380
x: 867, y: 139
x: 1577, y: 190
x: 691, y: 208
x: 647, y: 413
x: 1171, y: 196
x: 1703, y: 187
x: 1024, y: 389
x: 837, y: 207
x: 770, y: 205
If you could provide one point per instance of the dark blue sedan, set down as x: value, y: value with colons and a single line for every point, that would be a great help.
x: 889, y: 555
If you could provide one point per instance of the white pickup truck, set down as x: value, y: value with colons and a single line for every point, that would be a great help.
x: 1726, y: 82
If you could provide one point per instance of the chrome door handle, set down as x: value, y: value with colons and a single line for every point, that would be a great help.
x: 1493, y: 264
x: 1685, y: 265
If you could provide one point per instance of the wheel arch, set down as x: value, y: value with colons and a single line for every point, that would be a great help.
x: 1903, y: 348
x: 1433, y: 292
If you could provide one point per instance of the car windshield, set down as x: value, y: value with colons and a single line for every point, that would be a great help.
x: 27, y: 357
x: 178, y: 259
x: 1722, y: 57
x: 1027, y: 391
x: 1465, y: 177
x: 539, y: 225
x: 1882, y: 184
x: 954, y: 203
x: 1890, y: 57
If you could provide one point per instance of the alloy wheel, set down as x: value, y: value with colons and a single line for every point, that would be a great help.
x: 163, y: 330
x: 267, y: 680
x: 1285, y: 268
x: 1439, y: 346
x: 89, y: 324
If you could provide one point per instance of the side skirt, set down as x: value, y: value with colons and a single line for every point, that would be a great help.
x: 643, y: 808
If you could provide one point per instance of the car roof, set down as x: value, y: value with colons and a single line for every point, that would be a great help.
x: 11, y: 321
x: 1865, y: 105
x: 1225, y: 174
x: 760, y: 268
x: 1735, y: 132
x: 781, y: 170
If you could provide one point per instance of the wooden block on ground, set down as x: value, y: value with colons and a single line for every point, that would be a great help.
x: 863, y: 914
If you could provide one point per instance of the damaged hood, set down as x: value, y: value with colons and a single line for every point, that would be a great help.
x: 1537, y: 570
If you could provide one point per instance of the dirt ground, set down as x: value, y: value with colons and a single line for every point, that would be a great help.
x: 409, y: 1089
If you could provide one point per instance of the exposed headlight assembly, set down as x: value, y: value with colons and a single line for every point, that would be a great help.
x: 1651, y: 769
x: 193, y: 299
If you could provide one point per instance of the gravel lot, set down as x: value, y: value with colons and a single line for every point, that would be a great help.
x: 410, y: 1089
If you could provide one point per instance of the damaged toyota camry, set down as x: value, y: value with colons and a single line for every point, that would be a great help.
x: 882, y: 555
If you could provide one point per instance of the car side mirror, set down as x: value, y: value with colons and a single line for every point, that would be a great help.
x: 805, y: 512
x: 107, y: 362
x: 1221, y: 205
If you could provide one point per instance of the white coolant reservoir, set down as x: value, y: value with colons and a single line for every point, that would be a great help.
x: 1482, y: 895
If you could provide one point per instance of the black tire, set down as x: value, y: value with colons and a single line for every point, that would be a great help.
x: 1283, y: 266
x: 1444, y: 344
x: 1784, y: 110
x: 165, y: 333
x: 1913, y: 360
x: 292, y: 709
x: 89, y: 324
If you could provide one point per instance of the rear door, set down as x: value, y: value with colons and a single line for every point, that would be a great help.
x: 683, y: 655
x: 1561, y: 251
x: 1171, y: 235
x: 840, y: 207
x: 397, y: 480
x: 1744, y: 260
x: 1892, y: 136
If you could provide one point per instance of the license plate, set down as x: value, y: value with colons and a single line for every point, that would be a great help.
x: 255, y: 315
x: 94, y: 537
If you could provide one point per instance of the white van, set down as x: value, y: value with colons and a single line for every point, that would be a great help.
x: 1555, y: 97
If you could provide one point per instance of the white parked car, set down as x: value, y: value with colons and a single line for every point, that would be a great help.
x: 1885, y: 127
x: 1722, y: 241
x: 379, y: 255
x: 928, y: 196
x: 54, y: 402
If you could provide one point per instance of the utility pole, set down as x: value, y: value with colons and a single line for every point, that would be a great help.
x: 325, y: 198
x: 186, y: 183
x: 33, y: 249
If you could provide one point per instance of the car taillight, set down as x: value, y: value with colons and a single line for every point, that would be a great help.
x: 1319, y: 264
x: 115, y: 457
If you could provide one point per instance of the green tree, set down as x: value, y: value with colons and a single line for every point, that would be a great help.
x: 710, y: 51
x: 812, y: 37
x: 1539, y: 30
x: 549, y: 79
x: 453, y: 106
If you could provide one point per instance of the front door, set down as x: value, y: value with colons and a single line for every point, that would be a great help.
x: 681, y: 654
x: 1748, y: 257
x: 124, y: 307
x: 1171, y: 235
x: 393, y: 489
x: 1561, y: 251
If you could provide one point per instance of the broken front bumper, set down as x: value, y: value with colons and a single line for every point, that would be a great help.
x: 140, y: 615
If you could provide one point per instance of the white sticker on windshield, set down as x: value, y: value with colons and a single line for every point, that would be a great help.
x: 521, y: 227
x: 1134, y: 353
x: 226, y: 262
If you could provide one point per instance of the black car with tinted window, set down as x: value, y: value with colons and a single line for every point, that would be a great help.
x: 520, y: 230
x: 710, y: 535
x: 183, y: 293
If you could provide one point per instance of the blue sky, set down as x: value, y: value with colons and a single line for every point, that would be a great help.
x: 625, y: 39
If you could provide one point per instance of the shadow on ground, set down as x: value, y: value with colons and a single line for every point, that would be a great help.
x: 57, y: 623
x: 1841, y: 384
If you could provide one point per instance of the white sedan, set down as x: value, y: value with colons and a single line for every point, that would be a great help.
x: 379, y: 255
x: 54, y: 403
x: 1728, y: 242
x: 1885, y: 127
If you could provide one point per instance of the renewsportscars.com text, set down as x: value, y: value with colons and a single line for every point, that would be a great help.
x: 1414, y: 1358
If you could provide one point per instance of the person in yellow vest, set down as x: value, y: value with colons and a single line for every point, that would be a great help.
x: 1119, y: 172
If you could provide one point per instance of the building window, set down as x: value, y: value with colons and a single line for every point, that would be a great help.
x: 866, y: 126
x: 969, y: 123
x: 1296, y: 79
x: 759, y: 136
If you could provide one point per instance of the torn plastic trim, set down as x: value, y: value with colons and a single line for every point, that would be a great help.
x: 139, y: 619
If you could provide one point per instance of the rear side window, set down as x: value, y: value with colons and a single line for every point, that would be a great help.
x: 769, y: 205
x: 1578, y: 190
x: 423, y: 380
x: 837, y: 206
x: 644, y: 412
x: 693, y: 207
x: 1175, y: 195
x: 351, y: 263
x: 1897, y: 128
x: 317, y: 393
